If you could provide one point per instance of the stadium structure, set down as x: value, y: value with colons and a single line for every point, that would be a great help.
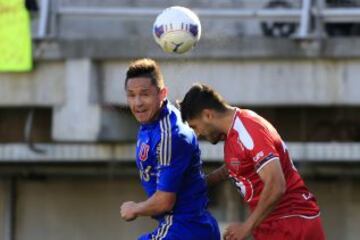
x: 67, y: 138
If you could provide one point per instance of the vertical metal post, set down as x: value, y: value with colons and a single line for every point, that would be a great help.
x: 319, y: 21
x: 305, y: 19
x: 43, y: 19
x: 9, y: 211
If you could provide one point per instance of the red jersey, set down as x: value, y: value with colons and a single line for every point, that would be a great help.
x: 251, y: 143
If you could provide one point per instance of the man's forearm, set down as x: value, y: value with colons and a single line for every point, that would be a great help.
x: 217, y: 176
x: 266, y: 204
x: 274, y: 187
x: 155, y: 205
x: 269, y: 198
x: 148, y: 208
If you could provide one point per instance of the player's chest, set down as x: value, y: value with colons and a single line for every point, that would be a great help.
x: 147, y: 166
x: 147, y: 147
x: 237, y: 159
x: 147, y: 154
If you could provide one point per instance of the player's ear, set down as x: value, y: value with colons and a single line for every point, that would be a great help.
x: 207, y: 114
x: 163, y: 93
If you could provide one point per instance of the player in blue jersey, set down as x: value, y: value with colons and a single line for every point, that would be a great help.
x: 168, y: 159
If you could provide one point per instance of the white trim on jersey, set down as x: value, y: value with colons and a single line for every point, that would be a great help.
x: 165, y: 141
x: 302, y: 216
x: 164, y: 229
x: 243, y: 134
x: 266, y: 163
x: 169, y: 140
x: 162, y: 137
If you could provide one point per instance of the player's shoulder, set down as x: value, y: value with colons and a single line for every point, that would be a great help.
x: 247, y: 125
x: 247, y: 114
x: 245, y: 118
x: 179, y: 130
x: 250, y: 125
x: 250, y: 119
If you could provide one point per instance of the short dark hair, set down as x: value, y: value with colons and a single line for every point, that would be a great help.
x: 198, y: 98
x: 148, y: 68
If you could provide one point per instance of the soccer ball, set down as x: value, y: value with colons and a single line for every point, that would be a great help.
x: 177, y: 29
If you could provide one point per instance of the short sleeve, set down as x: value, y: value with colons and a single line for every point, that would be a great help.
x: 264, y: 150
x: 259, y: 142
x: 175, y: 155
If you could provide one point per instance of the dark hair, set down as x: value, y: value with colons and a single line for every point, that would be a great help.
x: 198, y: 98
x: 148, y: 68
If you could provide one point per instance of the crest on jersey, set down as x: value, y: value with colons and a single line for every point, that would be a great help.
x: 234, y: 161
x: 144, y: 152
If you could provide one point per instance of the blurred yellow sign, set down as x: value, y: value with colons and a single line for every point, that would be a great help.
x: 15, y: 37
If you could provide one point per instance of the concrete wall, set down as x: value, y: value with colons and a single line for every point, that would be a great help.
x: 79, y: 117
x: 82, y: 92
x: 339, y: 200
x: 278, y: 82
x: 89, y: 208
x: 254, y: 82
x: 77, y: 210
x: 44, y: 86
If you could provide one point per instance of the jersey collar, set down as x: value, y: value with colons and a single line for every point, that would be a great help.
x: 163, y: 112
x: 237, y: 110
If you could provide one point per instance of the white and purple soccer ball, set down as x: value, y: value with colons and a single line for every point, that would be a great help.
x: 177, y: 29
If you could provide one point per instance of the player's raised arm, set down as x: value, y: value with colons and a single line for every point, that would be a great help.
x: 173, y: 161
x: 274, y: 187
x: 160, y: 202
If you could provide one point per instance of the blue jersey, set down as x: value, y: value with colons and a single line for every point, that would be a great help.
x: 168, y: 159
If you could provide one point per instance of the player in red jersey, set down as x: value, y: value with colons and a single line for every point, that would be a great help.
x: 258, y: 162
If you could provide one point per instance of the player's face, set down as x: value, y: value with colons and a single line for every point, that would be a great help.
x: 144, y: 99
x: 205, y: 128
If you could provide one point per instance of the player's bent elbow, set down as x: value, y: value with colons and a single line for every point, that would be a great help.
x: 166, y: 202
x: 166, y: 205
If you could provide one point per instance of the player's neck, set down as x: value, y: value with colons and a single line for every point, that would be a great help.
x: 156, y: 116
x: 227, y: 119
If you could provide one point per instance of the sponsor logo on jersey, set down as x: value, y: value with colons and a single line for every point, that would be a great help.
x: 258, y: 156
x: 144, y: 152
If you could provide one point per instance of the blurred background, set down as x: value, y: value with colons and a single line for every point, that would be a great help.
x: 67, y: 137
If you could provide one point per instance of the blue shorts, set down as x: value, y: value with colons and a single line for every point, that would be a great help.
x: 176, y: 227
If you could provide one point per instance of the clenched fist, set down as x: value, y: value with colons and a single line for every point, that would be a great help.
x: 127, y: 211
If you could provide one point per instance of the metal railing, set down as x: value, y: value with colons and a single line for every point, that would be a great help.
x: 291, y: 15
x: 310, y: 10
x: 338, y: 15
x: 100, y: 152
x: 43, y: 19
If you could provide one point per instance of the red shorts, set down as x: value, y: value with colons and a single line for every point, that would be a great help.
x: 292, y: 228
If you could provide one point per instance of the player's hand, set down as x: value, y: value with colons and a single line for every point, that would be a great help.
x: 127, y: 211
x: 236, y: 231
